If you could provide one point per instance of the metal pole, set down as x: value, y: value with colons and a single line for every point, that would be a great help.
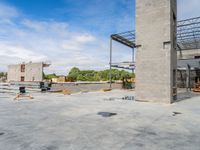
x: 133, y: 58
x: 110, y: 62
x: 188, y: 77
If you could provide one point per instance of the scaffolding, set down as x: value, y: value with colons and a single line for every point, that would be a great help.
x: 188, y: 38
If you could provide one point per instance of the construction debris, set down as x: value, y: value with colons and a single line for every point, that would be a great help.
x: 197, y: 87
x: 128, y: 98
x: 22, y: 93
x: 66, y: 92
x: 107, y: 90
x: 121, y: 98
x: 61, y: 91
x: 84, y: 91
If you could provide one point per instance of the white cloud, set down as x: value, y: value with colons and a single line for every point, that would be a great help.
x: 27, y: 40
x: 77, y: 41
x: 84, y: 38
x: 8, y: 11
x: 45, y: 26
x: 15, y: 51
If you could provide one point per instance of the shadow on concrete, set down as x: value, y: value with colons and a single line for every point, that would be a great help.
x: 186, y: 95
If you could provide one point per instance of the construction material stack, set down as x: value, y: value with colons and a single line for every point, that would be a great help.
x: 197, y: 87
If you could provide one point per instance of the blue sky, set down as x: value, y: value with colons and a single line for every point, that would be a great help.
x: 92, y: 15
x: 68, y: 32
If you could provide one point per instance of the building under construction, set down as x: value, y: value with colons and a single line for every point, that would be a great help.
x: 26, y: 72
x: 166, y: 51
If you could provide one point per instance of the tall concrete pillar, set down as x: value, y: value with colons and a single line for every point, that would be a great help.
x: 156, y: 58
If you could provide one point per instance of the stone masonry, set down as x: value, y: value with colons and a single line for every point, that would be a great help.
x: 156, y: 57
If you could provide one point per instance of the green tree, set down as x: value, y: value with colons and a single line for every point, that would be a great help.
x: 80, y: 77
x: 50, y: 76
x: 73, y: 74
x: 91, y: 75
x: 97, y: 76
x: 3, y: 74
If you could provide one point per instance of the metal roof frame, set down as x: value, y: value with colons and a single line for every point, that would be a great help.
x: 188, y: 35
x: 188, y: 38
x: 126, y: 38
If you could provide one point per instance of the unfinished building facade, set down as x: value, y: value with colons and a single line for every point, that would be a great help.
x: 156, y: 57
x: 26, y: 72
x: 168, y: 51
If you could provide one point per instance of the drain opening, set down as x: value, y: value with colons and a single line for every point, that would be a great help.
x: 106, y: 114
x: 176, y: 113
x: 1, y: 133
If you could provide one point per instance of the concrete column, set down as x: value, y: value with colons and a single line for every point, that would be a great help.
x: 156, y: 58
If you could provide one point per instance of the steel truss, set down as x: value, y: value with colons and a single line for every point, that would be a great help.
x: 188, y: 38
x: 127, y: 39
x: 188, y: 34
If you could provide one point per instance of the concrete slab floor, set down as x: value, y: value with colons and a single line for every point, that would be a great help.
x: 58, y: 122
